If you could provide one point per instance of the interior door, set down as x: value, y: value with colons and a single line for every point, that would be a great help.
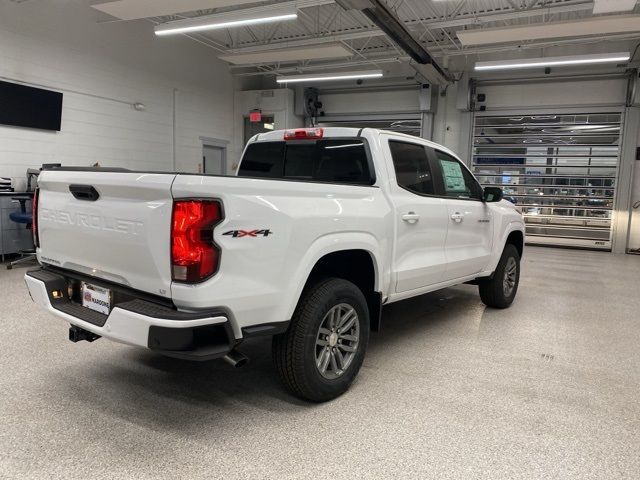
x: 470, y: 233
x: 420, y: 216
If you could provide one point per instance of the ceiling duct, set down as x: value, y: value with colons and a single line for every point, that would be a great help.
x: 389, y: 23
x: 431, y: 73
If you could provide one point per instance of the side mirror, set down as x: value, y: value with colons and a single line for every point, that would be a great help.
x: 492, y: 194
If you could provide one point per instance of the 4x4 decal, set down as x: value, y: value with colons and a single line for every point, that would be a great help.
x: 248, y: 233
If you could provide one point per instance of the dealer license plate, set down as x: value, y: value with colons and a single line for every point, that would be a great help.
x: 96, y: 298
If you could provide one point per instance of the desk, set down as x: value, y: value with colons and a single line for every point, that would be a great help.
x: 13, y: 236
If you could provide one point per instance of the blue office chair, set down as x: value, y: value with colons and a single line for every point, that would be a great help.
x: 23, y: 217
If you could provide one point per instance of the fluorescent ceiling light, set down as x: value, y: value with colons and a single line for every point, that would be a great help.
x: 604, y: 25
x: 553, y: 61
x: 327, y: 77
x: 291, y: 54
x: 226, y: 20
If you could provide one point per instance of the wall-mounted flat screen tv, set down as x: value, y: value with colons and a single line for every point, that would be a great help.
x: 22, y: 106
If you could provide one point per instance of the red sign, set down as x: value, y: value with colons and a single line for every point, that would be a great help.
x: 255, y: 116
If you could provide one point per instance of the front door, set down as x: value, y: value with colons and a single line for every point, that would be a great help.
x: 420, y: 218
x: 470, y: 233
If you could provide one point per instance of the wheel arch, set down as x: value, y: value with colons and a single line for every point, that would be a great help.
x: 357, y: 262
x: 511, y: 234
x: 516, y: 238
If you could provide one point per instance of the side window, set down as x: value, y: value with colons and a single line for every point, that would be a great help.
x: 456, y: 179
x: 411, y: 164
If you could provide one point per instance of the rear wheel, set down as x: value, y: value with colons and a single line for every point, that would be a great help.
x: 501, y: 289
x: 320, y: 354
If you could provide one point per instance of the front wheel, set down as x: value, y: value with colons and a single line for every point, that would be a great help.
x: 320, y: 354
x: 500, y: 290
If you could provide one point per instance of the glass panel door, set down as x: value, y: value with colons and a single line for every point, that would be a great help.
x: 253, y: 128
x: 559, y: 170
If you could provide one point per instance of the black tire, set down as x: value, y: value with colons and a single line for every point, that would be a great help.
x: 493, y: 291
x: 295, y: 352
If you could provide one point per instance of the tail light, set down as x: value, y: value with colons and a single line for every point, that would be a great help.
x: 34, y: 218
x: 304, y: 134
x: 194, y: 255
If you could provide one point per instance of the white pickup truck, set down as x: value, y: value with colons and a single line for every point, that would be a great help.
x: 317, y: 231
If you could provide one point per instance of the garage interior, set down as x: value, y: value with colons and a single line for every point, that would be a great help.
x: 538, y: 97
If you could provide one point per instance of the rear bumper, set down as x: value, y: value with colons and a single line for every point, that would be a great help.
x: 193, y: 336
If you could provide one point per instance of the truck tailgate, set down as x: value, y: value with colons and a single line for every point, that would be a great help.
x: 123, y: 236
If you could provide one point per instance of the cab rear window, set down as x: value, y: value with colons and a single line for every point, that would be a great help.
x: 332, y: 161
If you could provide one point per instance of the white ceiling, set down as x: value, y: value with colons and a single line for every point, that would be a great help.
x: 443, y: 27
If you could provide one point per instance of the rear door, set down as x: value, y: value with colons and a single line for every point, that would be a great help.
x: 470, y: 232
x: 420, y: 217
x: 116, y: 227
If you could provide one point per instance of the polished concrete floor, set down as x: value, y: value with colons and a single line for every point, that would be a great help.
x: 450, y: 389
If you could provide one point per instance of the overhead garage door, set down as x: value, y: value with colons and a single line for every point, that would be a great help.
x: 410, y: 126
x: 559, y: 169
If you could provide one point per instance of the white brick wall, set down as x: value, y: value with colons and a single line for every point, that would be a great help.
x: 102, y: 69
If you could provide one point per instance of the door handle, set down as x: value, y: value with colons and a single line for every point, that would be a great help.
x: 411, y: 217
x: 457, y: 217
x: 84, y: 192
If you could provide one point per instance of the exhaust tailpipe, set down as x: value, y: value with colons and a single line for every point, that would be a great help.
x: 236, y: 359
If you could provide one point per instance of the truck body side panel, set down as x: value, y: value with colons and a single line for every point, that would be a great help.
x: 273, y: 233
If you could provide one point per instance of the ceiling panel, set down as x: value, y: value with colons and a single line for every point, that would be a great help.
x: 610, y: 6
x: 289, y: 54
x: 577, y: 28
x: 134, y: 9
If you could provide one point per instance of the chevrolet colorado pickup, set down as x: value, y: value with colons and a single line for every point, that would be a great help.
x: 316, y: 232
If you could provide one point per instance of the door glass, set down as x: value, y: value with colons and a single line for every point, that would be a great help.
x: 457, y: 181
x: 254, y: 128
x: 411, y: 164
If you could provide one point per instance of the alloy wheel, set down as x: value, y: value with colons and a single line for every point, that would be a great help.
x: 510, y: 274
x: 337, y: 341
